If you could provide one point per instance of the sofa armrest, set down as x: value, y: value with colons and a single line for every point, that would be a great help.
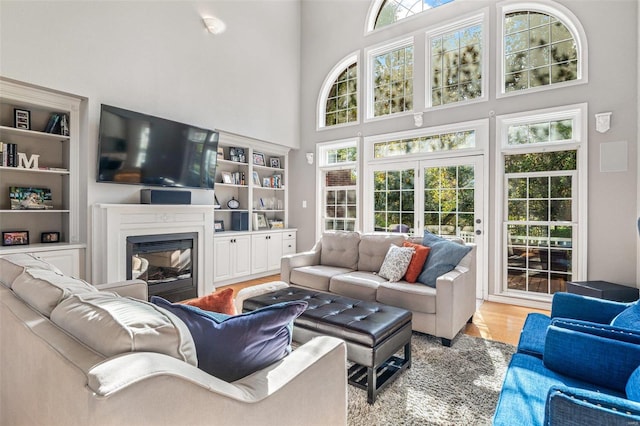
x: 574, y: 306
x: 137, y: 289
x: 325, y: 355
x: 256, y: 290
x: 575, y: 406
x: 297, y: 260
x: 588, y: 356
x: 456, y: 297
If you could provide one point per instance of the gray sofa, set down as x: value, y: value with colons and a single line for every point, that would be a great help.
x: 51, y: 376
x: 347, y: 263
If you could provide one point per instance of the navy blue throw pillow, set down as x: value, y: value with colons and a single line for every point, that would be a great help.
x: 443, y: 257
x: 232, y: 347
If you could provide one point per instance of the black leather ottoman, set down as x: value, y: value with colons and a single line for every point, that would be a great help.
x: 372, y: 331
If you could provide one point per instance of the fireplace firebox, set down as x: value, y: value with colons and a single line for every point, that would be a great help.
x: 167, y: 262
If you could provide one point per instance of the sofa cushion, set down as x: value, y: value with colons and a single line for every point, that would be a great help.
x: 396, y: 262
x: 232, y: 347
x: 356, y: 284
x: 220, y: 301
x: 112, y: 325
x: 13, y: 265
x: 443, y: 257
x: 316, y: 277
x: 373, y: 248
x: 416, y: 298
x: 340, y: 248
x: 417, y: 261
x: 629, y: 318
x: 44, y: 289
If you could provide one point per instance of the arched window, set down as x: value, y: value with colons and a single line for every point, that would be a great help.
x: 338, y: 101
x: 386, y: 12
x: 541, y: 47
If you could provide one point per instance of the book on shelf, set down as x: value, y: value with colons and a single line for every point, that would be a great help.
x: 9, y: 154
x: 52, y: 123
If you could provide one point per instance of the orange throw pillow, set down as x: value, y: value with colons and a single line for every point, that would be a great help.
x: 220, y: 301
x: 417, y: 261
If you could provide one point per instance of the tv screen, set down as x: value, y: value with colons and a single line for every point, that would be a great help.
x: 141, y: 149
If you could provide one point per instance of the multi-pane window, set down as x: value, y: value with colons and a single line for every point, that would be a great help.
x: 539, y: 50
x: 540, y: 225
x: 395, y: 10
x: 422, y: 144
x: 449, y: 200
x: 542, y: 211
x: 394, y: 200
x: 338, y: 186
x: 456, y: 65
x: 341, y: 155
x: 540, y: 132
x: 342, y: 100
x: 392, y: 80
x: 340, y: 198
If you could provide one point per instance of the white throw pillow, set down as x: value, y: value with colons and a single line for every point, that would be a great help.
x: 396, y: 262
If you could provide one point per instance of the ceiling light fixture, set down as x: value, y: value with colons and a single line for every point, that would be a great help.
x: 214, y: 25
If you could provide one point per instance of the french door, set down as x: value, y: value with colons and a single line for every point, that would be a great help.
x: 445, y: 196
x: 454, y: 205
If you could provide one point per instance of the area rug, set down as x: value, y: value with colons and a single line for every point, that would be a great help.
x: 444, y: 386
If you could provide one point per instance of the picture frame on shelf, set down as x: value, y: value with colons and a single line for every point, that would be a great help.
x: 274, y: 162
x: 277, y: 224
x: 22, y: 119
x: 258, y: 159
x: 260, y: 221
x: 266, y: 182
x: 226, y: 177
x: 256, y: 179
x: 50, y: 237
x: 237, y: 154
x: 23, y: 198
x: 218, y: 225
x: 15, y: 238
x: 220, y: 154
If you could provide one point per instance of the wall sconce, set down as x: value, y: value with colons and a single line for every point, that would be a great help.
x: 309, y: 156
x: 603, y: 121
x: 214, y: 25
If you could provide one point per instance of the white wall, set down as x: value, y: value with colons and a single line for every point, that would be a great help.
x: 331, y: 30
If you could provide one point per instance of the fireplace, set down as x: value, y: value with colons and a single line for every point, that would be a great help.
x: 167, y: 262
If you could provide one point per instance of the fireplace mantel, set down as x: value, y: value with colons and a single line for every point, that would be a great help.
x: 113, y: 223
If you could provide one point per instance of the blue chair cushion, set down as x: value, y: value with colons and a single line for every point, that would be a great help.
x: 232, y: 347
x: 603, y: 361
x: 443, y: 257
x: 633, y: 386
x: 533, y: 334
x: 524, y: 391
x: 629, y: 318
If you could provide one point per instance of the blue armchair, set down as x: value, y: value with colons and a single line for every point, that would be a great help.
x: 581, y: 366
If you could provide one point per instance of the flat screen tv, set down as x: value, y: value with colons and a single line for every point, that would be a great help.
x: 135, y: 148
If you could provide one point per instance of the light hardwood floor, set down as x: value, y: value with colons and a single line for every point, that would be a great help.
x: 493, y: 321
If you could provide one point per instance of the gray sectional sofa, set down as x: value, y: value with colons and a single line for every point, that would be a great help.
x: 347, y: 263
x: 58, y: 368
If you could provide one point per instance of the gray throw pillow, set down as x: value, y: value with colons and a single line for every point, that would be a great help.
x: 443, y: 257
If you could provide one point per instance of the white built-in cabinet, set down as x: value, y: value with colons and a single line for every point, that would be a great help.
x: 250, y: 238
x: 266, y: 251
x: 231, y: 257
x: 50, y: 160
